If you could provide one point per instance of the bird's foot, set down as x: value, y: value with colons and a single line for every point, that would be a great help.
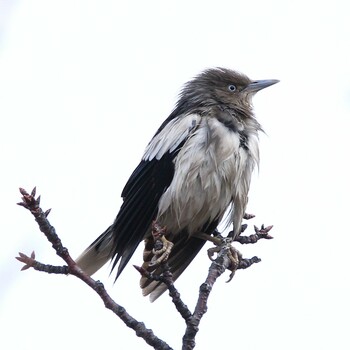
x: 233, y: 254
x: 162, y: 247
x: 224, y: 244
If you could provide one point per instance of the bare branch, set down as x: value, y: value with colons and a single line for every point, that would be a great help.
x: 36, y: 265
x: 262, y: 233
x: 29, y: 202
x: 167, y: 278
x: 217, y: 268
x: 226, y: 257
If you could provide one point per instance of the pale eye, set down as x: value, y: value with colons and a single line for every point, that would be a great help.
x: 232, y: 88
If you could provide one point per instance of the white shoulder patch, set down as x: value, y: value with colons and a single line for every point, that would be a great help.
x: 169, y: 138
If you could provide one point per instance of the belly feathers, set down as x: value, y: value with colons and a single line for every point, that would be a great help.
x: 211, y: 173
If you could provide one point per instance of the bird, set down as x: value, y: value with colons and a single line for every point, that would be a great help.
x: 196, y: 168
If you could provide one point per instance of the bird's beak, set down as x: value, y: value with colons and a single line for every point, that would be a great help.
x: 258, y: 85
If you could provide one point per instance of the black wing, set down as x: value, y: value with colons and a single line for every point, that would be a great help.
x: 141, y: 195
x: 147, y: 184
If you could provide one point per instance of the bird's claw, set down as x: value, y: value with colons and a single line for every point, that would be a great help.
x: 161, y: 251
x: 162, y: 247
x: 235, y: 258
x: 233, y: 255
x: 212, y: 251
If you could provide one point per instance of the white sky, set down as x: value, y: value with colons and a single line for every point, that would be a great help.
x: 83, y: 87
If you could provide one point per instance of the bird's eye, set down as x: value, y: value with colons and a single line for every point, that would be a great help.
x: 232, y: 88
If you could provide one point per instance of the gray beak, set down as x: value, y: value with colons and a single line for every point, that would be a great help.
x: 258, y: 85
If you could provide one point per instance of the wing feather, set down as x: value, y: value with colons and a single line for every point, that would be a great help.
x: 146, y: 185
x: 171, y: 136
x: 141, y: 196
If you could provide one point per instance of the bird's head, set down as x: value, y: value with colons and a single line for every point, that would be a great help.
x: 221, y: 86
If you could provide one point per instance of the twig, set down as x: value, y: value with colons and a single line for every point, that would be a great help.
x: 217, y: 268
x: 262, y: 233
x: 33, y: 205
x: 36, y: 265
x: 167, y: 278
x: 227, y: 257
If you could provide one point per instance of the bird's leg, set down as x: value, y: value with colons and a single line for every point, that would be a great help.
x: 216, y: 239
x: 162, y: 247
x: 233, y: 254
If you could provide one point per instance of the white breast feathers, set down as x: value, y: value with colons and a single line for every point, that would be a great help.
x: 212, y: 172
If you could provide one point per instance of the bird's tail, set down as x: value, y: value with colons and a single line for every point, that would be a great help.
x: 183, y: 252
x: 97, y: 254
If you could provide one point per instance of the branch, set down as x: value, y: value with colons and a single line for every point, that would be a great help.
x: 262, y: 233
x: 36, y: 265
x: 227, y: 257
x: 166, y: 277
x: 217, y: 268
x: 33, y: 205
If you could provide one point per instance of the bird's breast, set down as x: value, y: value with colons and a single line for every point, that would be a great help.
x: 212, y: 171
